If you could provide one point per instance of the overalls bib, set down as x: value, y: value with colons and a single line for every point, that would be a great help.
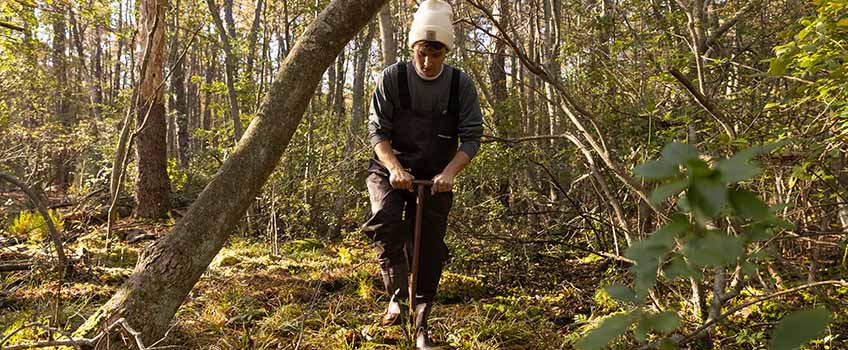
x: 423, y: 141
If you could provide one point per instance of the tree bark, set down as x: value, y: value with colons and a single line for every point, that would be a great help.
x: 151, y: 185
x: 168, y: 270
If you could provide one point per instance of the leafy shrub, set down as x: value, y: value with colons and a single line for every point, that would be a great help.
x: 694, y: 239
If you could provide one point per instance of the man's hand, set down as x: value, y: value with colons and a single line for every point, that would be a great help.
x: 401, y: 179
x: 442, y: 183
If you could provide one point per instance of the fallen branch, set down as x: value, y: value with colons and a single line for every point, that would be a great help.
x: 80, y: 342
x: 15, y: 266
x: 51, y: 227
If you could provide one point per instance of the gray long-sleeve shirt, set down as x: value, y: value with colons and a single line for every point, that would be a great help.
x: 432, y: 96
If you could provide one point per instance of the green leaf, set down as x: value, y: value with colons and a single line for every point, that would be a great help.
x: 714, y: 249
x: 756, y: 232
x: 656, y: 170
x: 678, y: 268
x: 665, y: 322
x: 647, y: 253
x: 679, y: 153
x: 735, y: 169
x: 778, y: 65
x: 621, y: 293
x: 610, y: 328
x: 769, y: 147
x: 798, y: 328
x: 667, y: 190
x: 707, y: 195
x: 749, y: 205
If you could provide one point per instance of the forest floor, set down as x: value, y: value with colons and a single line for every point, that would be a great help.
x: 310, y: 294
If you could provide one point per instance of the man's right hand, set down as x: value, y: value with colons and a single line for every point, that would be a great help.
x: 401, y: 179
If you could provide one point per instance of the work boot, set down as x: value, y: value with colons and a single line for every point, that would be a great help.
x: 422, y: 338
x: 396, y: 281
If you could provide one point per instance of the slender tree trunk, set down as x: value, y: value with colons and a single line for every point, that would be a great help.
x: 229, y: 65
x: 359, y: 82
x: 96, y: 88
x: 331, y: 87
x: 497, y: 72
x: 151, y: 184
x: 115, y: 87
x: 387, y: 41
x: 209, y: 78
x: 341, y: 77
x: 842, y: 187
x: 62, y: 107
x: 192, y: 102
x: 178, y: 109
x: 169, y: 269
x: 229, y: 21
x: 252, y: 37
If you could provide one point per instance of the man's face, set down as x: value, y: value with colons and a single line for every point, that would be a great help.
x: 427, y: 60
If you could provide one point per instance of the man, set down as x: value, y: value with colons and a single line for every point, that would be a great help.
x: 425, y: 123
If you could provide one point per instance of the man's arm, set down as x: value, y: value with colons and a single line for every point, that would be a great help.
x: 398, y: 176
x: 443, y: 182
x: 470, y: 130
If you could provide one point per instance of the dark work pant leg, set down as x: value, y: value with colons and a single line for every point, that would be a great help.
x: 386, y: 228
x: 434, y: 251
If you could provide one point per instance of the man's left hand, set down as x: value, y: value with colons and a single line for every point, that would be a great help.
x: 442, y: 183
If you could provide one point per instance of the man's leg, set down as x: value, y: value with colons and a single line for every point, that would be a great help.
x: 388, y: 231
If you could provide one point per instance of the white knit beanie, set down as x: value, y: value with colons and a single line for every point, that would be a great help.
x: 433, y: 22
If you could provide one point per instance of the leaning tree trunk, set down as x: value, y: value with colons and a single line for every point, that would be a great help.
x: 151, y: 185
x: 169, y: 269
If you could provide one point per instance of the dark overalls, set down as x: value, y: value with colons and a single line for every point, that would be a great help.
x: 424, y: 142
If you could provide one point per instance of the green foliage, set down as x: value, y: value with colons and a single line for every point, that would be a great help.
x: 691, y: 239
x: 817, y: 54
x: 798, y: 328
x: 31, y: 224
x: 178, y: 177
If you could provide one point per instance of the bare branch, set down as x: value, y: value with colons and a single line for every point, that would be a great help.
x: 702, y: 100
x: 12, y: 26
x: 729, y: 23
